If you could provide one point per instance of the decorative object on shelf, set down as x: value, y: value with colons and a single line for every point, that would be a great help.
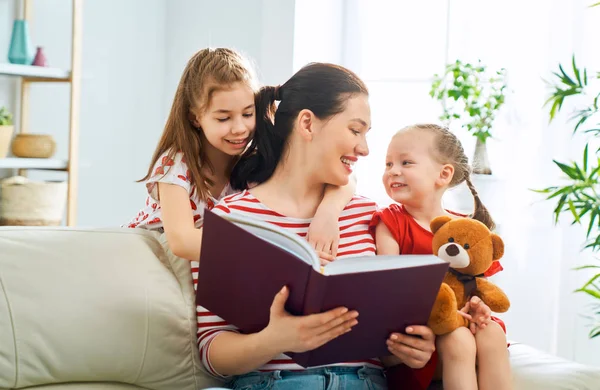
x: 25, y: 202
x: 40, y: 57
x: 21, y: 50
x: 33, y: 145
x: 6, y: 131
x: 579, y: 194
x: 470, y: 94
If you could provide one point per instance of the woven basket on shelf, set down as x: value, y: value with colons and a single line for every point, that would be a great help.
x: 24, y: 202
x: 5, y: 136
x: 33, y: 145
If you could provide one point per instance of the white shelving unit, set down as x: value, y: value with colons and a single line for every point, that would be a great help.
x: 34, y: 74
x: 34, y: 163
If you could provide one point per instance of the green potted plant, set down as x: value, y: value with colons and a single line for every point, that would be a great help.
x: 579, y: 196
x: 471, y: 95
x: 6, y: 131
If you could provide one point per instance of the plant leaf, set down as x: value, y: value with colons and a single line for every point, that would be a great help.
x: 566, y: 79
x: 591, y: 281
x: 586, y: 267
x: 569, y: 171
x: 593, y: 293
x: 573, y: 211
x: 575, y: 70
x: 591, y: 224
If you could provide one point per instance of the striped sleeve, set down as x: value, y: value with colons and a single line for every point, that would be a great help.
x: 209, y: 324
x: 209, y: 327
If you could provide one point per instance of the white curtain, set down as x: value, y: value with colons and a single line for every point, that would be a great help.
x: 397, y: 46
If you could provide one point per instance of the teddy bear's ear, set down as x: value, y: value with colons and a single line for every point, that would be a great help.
x: 498, y: 245
x: 438, y: 222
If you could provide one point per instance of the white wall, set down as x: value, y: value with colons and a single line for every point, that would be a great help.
x: 133, y: 54
x: 261, y: 29
x: 319, y: 36
x: 397, y: 47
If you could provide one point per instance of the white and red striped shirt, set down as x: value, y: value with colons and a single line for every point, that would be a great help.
x: 355, y: 240
x: 172, y: 171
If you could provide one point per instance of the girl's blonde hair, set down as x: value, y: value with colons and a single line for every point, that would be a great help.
x: 208, y: 71
x: 449, y: 150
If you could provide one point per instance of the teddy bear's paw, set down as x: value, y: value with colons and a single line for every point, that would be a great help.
x: 443, y: 315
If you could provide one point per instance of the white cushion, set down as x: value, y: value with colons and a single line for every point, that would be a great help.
x: 535, y: 370
x: 95, y: 305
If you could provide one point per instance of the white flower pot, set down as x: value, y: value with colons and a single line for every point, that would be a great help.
x: 490, y: 189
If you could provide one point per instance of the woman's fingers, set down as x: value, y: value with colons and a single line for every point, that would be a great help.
x: 347, y: 320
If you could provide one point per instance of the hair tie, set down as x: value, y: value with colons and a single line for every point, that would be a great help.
x: 277, y: 93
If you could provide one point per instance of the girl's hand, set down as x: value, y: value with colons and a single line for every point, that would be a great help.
x: 325, y: 258
x: 324, y: 233
x: 477, y: 312
x: 305, y: 333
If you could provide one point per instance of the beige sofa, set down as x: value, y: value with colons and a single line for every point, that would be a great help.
x: 111, y: 309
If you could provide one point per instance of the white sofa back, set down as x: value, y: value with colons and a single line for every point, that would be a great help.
x: 95, y: 305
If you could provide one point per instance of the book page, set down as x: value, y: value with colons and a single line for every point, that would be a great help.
x: 378, y: 263
x: 277, y: 236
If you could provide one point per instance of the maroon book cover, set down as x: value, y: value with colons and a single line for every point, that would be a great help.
x: 240, y: 273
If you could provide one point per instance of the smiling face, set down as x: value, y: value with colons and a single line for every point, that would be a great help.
x: 340, y: 140
x: 228, y: 122
x: 411, y: 171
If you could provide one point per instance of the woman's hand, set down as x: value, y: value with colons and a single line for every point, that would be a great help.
x: 415, y: 348
x: 477, y: 312
x: 304, y: 333
x: 324, y: 235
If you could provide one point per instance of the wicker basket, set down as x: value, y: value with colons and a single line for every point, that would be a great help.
x: 24, y: 202
x: 33, y: 145
x: 5, y: 136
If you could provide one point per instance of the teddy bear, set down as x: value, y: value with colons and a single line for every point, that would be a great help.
x: 470, y: 248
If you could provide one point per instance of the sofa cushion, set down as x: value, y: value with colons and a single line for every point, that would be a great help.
x: 87, y: 386
x: 95, y: 305
x: 534, y: 369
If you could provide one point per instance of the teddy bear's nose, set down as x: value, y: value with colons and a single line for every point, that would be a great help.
x: 452, y: 250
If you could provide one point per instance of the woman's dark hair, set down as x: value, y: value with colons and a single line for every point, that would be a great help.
x: 321, y: 88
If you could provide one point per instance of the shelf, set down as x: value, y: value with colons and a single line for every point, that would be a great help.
x: 34, y: 72
x: 33, y: 163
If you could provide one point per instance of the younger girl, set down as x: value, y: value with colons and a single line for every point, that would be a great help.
x: 422, y: 162
x: 211, y: 123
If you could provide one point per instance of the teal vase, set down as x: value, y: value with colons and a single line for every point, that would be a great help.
x: 21, y: 50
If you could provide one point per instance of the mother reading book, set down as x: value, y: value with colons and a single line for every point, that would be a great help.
x: 311, y: 139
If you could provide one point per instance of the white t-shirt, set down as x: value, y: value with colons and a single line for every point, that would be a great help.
x: 172, y: 171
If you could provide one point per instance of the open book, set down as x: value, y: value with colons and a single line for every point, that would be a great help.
x: 245, y: 262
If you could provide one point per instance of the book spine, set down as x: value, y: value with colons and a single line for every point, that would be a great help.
x: 313, y: 303
x: 315, y: 293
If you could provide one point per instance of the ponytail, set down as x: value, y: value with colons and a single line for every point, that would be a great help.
x: 258, y: 162
x: 324, y: 89
x: 480, y: 212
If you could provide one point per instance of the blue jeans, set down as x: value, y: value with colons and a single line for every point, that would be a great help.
x: 329, y: 378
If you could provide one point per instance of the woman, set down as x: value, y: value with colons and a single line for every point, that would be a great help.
x: 310, y: 140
